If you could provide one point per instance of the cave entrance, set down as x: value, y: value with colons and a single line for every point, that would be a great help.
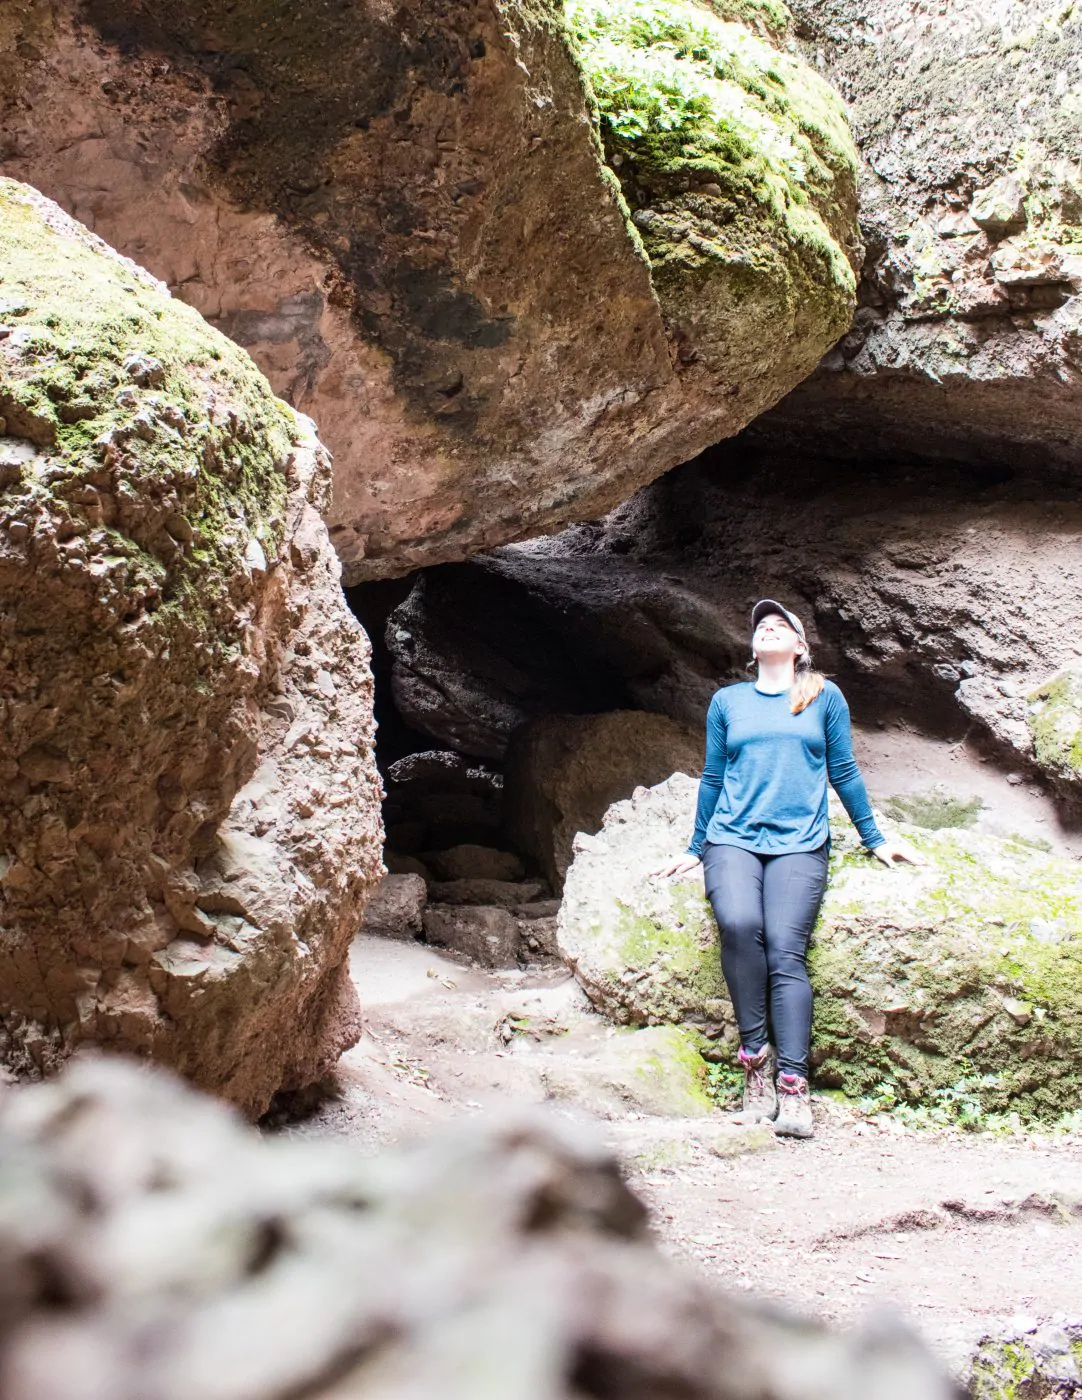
x: 520, y: 692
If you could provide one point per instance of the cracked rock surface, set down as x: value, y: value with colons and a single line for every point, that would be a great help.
x: 189, y: 808
x: 967, y: 340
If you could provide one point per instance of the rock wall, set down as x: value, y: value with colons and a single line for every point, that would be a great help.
x: 967, y: 343
x: 197, y: 1259
x: 949, y: 596
x: 189, y: 808
x: 408, y: 219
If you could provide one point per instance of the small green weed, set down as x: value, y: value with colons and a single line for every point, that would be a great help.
x: 725, y: 1084
x: 956, y: 1105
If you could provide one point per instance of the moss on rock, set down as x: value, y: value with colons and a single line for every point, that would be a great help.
x: 1027, y: 1361
x: 656, y: 1070
x: 933, y: 810
x: 738, y: 167
x: 1001, y: 1369
x: 964, y: 971
x: 1055, y: 723
x: 125, y: 389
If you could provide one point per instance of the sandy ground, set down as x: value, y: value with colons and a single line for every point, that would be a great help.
x: 961, y: 1232
x: 896, y: 759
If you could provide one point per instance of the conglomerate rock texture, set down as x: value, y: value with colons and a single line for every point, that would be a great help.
x: 405, y: 214
x: 189, y: 808
x: 151, y: 1248
x: 959, y: 977
x: 967, y: 343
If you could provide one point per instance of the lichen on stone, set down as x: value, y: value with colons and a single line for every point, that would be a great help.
x: 1054, y: 717
x: 735, y: 159
x: 1001, y: 1369
x: 958, y: 981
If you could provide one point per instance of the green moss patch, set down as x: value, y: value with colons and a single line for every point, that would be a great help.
x: 166, y: 446
x: 734, y: 157
x: 933, y: 810
x: 1001, y: 1370
x: 1055, y: 724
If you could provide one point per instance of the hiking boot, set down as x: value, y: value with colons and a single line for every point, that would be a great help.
x: 794, y: 1107
x: 760, y: 1100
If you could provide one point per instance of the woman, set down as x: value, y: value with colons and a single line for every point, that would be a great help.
x: 762, y: 837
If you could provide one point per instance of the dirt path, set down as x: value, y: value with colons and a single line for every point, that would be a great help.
x: 962, y: 1232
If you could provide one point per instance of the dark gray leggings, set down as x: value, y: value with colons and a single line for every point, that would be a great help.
x: 766, y: 907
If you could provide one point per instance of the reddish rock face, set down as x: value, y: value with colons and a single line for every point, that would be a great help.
x: 406, y: 218
x: 189, y: 809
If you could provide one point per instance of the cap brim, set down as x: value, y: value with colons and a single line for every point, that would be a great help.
x: 771, y: 605
x: 764, y: 606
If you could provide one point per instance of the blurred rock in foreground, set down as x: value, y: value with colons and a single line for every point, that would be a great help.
x: 152, y: 1247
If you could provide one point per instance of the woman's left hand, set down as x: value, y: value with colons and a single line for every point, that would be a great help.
x: 891, y: 852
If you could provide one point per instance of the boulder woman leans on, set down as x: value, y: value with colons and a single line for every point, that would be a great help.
x: 762, y: 836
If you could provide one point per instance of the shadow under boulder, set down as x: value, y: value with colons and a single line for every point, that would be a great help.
x: 924, y: 587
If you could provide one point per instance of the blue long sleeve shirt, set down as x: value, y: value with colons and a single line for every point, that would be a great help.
x: 764, y: 783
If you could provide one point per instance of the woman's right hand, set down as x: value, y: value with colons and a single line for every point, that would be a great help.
x: 680, y: 866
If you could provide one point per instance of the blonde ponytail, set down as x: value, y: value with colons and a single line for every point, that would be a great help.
x: 806, y: 686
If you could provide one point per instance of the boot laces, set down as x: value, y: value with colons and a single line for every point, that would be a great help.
x: 793, y: 1084
x: 755, y: 1067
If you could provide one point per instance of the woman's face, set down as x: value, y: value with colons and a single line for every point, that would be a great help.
x: 774, y: 640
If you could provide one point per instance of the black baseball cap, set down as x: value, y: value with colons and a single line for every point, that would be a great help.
x: 770, y: 605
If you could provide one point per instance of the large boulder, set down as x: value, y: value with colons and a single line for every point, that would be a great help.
x: 408, y: 217
x: 189, y: 808
x: 736, y: 161
x: 396, y: 907
x: 966, y: 342
x: 965, y: 971
x: 564, y: 772
x: 196, y: 1259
